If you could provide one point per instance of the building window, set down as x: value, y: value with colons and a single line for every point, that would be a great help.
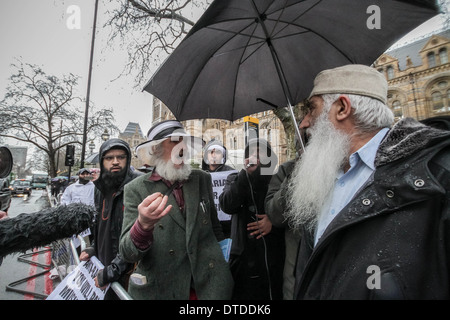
x: 431, y: 60
x: 397, y: 109
x: 438, y: 102
x: 443, y: 56
x: 390, y: 72
x: 440, y: 96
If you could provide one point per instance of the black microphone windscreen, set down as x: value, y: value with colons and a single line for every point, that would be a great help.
x: 32, y: 230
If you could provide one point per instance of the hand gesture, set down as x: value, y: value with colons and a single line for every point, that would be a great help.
x: 152, y: 209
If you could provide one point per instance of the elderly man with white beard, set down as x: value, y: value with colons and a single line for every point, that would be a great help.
x: 371, y: 197
x: 170, y: 228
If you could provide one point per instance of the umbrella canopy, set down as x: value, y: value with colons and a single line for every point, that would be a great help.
x: 244, y: 52
x: 60, y: 178
x: 92, y: 159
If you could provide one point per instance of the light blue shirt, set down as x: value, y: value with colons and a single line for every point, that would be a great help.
x: 348, y: 183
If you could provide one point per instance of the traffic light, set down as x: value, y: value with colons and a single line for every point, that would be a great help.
x: 70, y: 155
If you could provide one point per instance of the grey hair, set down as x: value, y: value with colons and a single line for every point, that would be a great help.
x: 157, y: 151
x: 370, y: 113
x: 150, y: 152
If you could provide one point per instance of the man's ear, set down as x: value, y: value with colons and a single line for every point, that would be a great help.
x: 344, y: 108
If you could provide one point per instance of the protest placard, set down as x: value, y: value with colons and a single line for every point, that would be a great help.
x: 80, y: 284
x: 218, y: 182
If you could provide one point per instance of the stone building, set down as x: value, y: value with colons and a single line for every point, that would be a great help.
x: 418, y: 76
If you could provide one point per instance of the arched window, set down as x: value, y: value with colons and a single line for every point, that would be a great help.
x: 397, y: 109
x: 438, y: 102
x: 390, y: 72
x: 431, y: 60
x: 443, y: 56
x: 440, y: 96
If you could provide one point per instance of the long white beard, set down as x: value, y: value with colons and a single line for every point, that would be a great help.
x: 169, y: 172
x: 315, y: 174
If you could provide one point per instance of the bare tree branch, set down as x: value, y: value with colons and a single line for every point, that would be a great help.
x: 36, y: 104
x: 150, y: 30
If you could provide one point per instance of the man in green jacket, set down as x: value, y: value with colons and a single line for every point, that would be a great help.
x: 170, y: 227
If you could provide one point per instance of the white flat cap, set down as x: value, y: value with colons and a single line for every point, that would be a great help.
x: 351, y: 79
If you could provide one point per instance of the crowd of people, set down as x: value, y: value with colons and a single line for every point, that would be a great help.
x: 362, y: 213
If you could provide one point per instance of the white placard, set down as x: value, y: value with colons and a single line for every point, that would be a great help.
x: 218, y: 182
x: 80, y: 284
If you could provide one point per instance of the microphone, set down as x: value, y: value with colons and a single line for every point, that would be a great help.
x: 32, y: 230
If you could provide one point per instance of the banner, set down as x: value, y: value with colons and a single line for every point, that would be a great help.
x: 80, y: 284
x: 218, y: 182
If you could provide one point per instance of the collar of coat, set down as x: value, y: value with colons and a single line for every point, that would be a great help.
x: 405, y: 138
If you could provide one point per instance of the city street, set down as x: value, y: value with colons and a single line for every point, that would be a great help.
x: 12, y: 270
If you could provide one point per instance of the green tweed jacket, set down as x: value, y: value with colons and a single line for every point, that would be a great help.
x: 185, y: 252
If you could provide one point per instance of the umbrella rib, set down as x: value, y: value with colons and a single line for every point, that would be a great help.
x: 240, y: 62
x: 317, y: 34
x: 278, y: 19
x: 249, y: 36
x: 235, y: 34
x: 239, y: 33
x: 260, y: 43
x: 288, y: 23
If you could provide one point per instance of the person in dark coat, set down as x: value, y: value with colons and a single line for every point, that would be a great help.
x: 257, y: 249
x: 275, y: 206
x: 371, y: 197
x: 115, y: 173
x: 214, y: 158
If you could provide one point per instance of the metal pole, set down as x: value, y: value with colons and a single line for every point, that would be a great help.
x: 86, y: 111
x: 280, y: 73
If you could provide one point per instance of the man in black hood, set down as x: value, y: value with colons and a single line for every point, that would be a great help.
x: 215, y: 157
x: 257, y: 249
x: 115, y: 172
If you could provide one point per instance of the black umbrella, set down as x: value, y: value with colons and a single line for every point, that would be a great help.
x: 246, y: 56
x: 92, y: 159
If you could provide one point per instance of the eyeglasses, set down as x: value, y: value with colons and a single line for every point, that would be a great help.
x: 120, y: 157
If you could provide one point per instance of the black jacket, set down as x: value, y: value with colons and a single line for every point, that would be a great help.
x: 115, y: 267
x: 392, y: 240
x: 243, y: 196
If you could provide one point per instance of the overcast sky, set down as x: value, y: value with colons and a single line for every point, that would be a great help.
x: 36, y: 31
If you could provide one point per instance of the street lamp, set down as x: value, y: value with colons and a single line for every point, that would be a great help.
x: 105, y: 135
x: 92, y: 146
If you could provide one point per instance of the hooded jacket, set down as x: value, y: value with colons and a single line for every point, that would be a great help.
x: 112, y: 207
x: 243, y: 196
x: 392, y: 240
x: 205, y: 165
